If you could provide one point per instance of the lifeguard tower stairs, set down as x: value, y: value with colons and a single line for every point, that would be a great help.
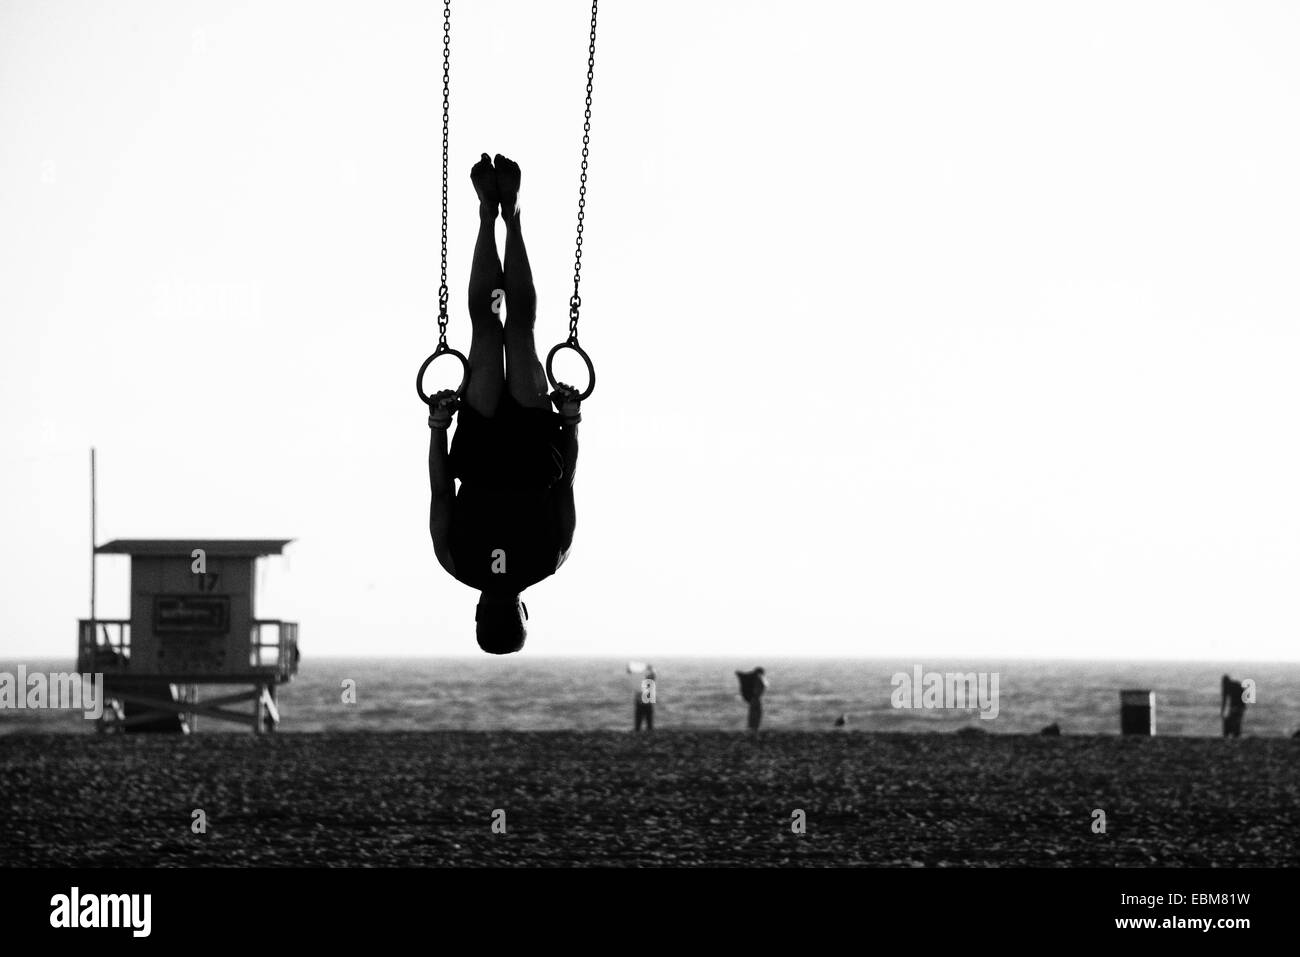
x: 192, y: 625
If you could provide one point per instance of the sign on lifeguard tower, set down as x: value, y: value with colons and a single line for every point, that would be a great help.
x: 192, y: 623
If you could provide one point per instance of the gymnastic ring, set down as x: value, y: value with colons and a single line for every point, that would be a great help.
x: 443, y: 349
x: 591, y: 369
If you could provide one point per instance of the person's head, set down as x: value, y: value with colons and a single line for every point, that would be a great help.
x: 759, y: 671
x: 500, y: 618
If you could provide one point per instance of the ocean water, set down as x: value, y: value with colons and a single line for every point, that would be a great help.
x: 526, y: 693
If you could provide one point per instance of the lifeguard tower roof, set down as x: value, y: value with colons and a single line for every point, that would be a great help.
x: 184, y: 547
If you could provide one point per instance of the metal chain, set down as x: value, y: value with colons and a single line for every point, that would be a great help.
x: 575, y: 301
x: 446, y: 101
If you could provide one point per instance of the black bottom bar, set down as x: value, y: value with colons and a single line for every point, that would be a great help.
x: 928, y: 907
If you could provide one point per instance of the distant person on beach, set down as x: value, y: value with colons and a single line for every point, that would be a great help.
x: 1232, y: 707
x: 753, y: 684
x: 511, y: 522
x: 644, y: 702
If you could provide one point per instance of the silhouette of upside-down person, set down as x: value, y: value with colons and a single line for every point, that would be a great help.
x: 510, y: 524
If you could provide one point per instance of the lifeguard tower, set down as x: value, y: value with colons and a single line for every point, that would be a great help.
x: 192, y: 623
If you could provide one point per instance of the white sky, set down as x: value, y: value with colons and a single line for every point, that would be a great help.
x: 922, y: 328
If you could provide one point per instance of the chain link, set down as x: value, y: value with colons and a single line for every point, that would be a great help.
x: 446, y: 102
x: 575, y: 301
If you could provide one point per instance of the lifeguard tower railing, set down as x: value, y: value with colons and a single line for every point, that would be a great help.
x: 280, y: 652
x: 104, y: 645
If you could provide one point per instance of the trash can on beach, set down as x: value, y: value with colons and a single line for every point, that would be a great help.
x: 1137, y: 712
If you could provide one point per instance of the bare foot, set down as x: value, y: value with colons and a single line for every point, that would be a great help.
x: 508, y: 185
x: 485, y: 182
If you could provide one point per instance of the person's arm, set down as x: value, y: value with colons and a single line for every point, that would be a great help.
x: 442, y: 487
x: 565, y: 398
x: 567, y: 404
x: 566, y: 510
x: 569, y: 450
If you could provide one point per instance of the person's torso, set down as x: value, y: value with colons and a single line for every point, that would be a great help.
x: 646, y: 690
x: 505, y: 540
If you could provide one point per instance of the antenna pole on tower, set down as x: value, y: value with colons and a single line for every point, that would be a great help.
x: 92, y: 538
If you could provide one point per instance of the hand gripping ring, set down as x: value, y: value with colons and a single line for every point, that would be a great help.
x: 591, y: 369
x: 442, y: 350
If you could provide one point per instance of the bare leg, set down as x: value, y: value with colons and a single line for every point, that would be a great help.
x: 487, y: 377
x: 525, y: 377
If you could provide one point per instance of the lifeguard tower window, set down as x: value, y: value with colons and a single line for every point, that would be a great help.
x: 191, y: 623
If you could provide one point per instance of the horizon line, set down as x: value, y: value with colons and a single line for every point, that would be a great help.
x: 635, y: 656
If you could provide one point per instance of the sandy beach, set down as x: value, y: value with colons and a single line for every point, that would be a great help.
x: 678, y: 798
